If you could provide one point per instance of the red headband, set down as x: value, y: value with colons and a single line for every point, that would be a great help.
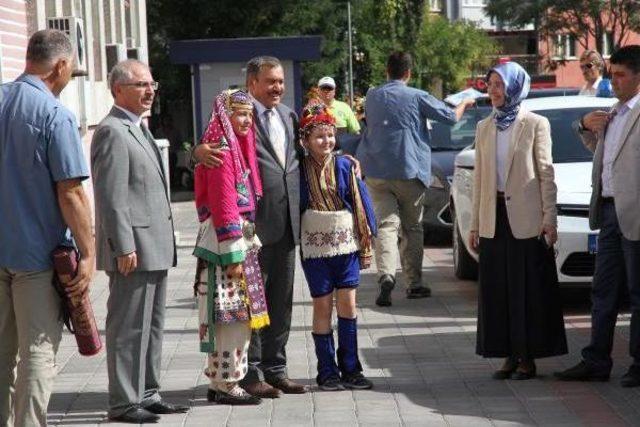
x: 315, y: 115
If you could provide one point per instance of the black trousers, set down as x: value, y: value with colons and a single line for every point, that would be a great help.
x: 617, y: 263
x: 267, y: 355
x: 519, y: 309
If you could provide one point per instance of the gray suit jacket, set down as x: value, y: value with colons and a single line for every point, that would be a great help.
x: 133, y: 212
x: 626, y: 176
x: 279, y: 207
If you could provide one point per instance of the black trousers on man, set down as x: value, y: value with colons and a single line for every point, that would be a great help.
x: 617, y: 262
x: 267, y: 355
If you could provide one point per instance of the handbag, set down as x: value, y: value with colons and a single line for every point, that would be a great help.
x: 77, y: 312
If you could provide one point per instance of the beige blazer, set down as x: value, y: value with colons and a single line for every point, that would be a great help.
x: 625, y: 175
x: 530, y: 190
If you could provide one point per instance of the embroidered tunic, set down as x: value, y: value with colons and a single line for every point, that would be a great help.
x: 332, y: 187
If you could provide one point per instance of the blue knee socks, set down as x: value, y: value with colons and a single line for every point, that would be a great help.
x: 348, y: 346
x: 326, y: 354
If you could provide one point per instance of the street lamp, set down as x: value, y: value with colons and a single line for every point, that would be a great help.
x: 350, y: 55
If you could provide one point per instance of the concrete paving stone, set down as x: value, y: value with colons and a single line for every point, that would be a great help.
x: 365, y: 423
x: 466, y: 420
x: 248, y: 422
x: 420, y: 355
x: 502, y: 423
x: 332, y: 423
x: 426, y: 423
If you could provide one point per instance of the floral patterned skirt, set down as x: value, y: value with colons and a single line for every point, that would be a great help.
x: 228, y: 363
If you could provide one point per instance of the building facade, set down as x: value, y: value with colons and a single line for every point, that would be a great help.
x: 551, y: 61
x: 103, y: 33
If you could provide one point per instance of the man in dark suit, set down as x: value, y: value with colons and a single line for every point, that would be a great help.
x: 614, y: 138
x: 135, y: 245
x: 277, y: 224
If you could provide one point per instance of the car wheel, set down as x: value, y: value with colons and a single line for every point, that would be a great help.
x: 464, y: 266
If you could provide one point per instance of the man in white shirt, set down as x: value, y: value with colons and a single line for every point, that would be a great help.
x: 614, y: 137
x: 592, y: 67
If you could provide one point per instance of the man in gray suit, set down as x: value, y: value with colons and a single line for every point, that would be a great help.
x: 614, y: 137
x: 135, y: 245
x: 277, y: 224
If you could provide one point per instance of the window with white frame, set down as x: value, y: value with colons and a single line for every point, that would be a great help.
x: 474, y: 2
x: 435, y: 5
x: 608, y: 44
x: 565, y: 46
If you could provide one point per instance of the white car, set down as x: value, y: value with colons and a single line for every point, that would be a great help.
x: 577, y: 245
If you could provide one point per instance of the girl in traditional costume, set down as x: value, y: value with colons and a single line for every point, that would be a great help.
x: 336, y: 232
x: 229, y: 284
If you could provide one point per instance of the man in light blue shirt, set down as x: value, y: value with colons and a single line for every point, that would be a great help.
x: 41, y: 171
x: 396, y: 160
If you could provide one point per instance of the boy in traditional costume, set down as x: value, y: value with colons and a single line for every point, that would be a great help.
x: 229, y: 284
x: 336, y: 232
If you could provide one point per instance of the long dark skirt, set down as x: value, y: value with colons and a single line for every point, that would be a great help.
x: 519, y: 307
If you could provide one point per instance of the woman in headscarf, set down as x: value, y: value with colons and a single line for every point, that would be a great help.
x: 514, y: 229
x: 229, y: 284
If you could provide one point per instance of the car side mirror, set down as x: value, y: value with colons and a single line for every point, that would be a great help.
x: 466, y: 159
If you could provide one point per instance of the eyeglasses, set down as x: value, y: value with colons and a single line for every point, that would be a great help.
x: 326, y: 88
x: 143, y: 85
x: 588, y: 66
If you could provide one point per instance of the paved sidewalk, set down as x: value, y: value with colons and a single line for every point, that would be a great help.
x: 419, y: 354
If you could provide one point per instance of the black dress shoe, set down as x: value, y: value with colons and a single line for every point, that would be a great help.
x: 136, y: 416
x: 387, y: 283
x: 419, y: 292
x: 222, y: 398
x: 505, y: 372
x: 163, y: 407
x: 582, y: 372
x: 525, y: 371
x: 521, y: 374
x: 631, y: 378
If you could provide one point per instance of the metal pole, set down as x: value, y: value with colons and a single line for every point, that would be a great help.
x: 350, y: 56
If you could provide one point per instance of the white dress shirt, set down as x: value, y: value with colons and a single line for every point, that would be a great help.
x: 133, y: 117
x: 503, y: 139
x: 612, y: 141
x: 590, y: 90
x: 277, y: 134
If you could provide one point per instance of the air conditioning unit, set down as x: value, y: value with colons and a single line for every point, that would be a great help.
x: 115, y: 53
x: 73, y: 27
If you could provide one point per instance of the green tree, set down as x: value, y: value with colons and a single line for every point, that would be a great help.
x: 585, y: 19
x: 450, y: 52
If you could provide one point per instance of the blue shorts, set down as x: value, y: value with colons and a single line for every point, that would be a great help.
x: 326, y: 274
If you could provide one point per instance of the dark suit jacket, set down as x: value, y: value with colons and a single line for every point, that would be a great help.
x: 133, y: 212
x: 279, y: 207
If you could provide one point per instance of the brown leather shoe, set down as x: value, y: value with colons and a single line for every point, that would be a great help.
x: 262, y: 389
x: 289, y: 387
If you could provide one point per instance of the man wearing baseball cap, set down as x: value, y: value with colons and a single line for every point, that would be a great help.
x: 345, y: 118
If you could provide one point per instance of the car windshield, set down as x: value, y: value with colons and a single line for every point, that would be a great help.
x: 461, y: 134
x: 567, y: 146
